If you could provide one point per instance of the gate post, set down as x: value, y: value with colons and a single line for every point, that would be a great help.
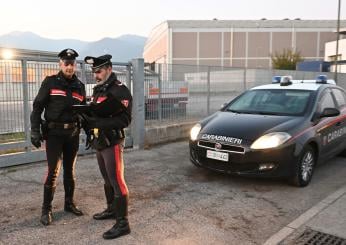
x: 138, y: 113
x: 26, y: 107
x: 208, y: 91
x: 160, y: 93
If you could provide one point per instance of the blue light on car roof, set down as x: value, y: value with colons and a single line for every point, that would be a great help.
x: 276, y: 79
x: 321, y: 79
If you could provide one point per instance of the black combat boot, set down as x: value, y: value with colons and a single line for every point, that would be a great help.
x: 109, y: 212
x: 48, y: 194
x: 69, y: 193
x: 121, y: 227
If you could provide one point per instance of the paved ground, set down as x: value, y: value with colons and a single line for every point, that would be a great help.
x: 171, y: 202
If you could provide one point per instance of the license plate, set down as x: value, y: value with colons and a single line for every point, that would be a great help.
x: 222, y: 156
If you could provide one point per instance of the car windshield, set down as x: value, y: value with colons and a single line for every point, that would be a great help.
x: 271, y: 102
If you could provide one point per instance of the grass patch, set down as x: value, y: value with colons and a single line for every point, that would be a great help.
x: 10, y: 151
x: 11, y: 137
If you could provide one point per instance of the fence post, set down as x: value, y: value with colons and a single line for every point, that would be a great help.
x: 138, y: 110
x: 128, y: 77
x: 245, y: 78
x: 82, y: 71
x: 208, y: 91
x: 129, y: 135
x: 159, y: 104
x: 26, y: 108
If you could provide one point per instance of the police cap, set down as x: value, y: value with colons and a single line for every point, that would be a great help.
x: 98, y: 62
x: 68, y: 54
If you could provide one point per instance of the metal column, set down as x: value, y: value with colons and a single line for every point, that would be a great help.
x: 138, y: 104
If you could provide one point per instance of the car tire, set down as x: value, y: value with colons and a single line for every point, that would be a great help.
x: 196, y: 165
x: 304, y: 168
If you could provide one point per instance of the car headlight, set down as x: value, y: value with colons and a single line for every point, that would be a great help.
x: 195, y: 131
x: 270, y: 140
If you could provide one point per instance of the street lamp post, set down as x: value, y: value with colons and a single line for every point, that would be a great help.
x: 337, y: 43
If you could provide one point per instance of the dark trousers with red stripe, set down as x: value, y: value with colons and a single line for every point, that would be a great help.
x: 61, y: 150
x: 111, y: 164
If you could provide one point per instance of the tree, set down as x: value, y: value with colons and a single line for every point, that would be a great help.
x: 286, y: 60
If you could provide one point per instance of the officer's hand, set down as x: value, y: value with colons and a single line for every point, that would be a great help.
x: 36, y: 138
x: 81, y: 120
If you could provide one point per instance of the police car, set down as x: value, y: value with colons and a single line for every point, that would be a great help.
x: 283, y: 129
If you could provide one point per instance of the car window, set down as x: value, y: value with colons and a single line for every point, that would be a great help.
x: 326, y: 101
x: 340, y: 97
x: 271, y: 101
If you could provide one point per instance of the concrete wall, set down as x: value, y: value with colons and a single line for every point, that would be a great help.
x: 156, y: 46
x: 330, y: 54
x: 167, y: 133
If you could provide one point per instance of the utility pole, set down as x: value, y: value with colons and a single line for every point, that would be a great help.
x: 337, y: 44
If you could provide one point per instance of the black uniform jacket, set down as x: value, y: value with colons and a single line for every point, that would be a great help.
x: 56, y: 96
x: 111, y: 104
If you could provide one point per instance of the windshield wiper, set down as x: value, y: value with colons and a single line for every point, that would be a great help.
x: 234, y: 111
x: 241, y: 112
x: 268, y: 113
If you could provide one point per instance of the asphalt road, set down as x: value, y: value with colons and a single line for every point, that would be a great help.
x: 171, y: 202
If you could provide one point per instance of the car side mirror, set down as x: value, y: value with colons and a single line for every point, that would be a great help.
x: 327, y: 112
x: 330, y: 112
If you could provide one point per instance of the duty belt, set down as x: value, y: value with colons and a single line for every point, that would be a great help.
x: 114, y: 133
x: 58, y: 125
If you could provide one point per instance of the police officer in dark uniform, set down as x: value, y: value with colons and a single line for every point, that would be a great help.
x: 60, y: 129
x: 111, y: 106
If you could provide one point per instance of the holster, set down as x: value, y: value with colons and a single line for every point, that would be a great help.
x: 106, y: 138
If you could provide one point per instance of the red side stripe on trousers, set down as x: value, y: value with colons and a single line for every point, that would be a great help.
x: 119, y: 168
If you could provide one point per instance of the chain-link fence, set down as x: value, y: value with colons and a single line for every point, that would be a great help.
x: 20, y: 81
x: 184, y: 93
x: 163, y: 94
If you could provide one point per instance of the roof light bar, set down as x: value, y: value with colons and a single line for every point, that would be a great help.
x: 286, y: 80
x: 322, y: 79
x: 276, y: 79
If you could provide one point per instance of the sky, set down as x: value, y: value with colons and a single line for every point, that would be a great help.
x: 93, y: 20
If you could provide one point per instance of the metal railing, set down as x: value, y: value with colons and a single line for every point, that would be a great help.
x: 20, y: 81
x: 162, y: 94
x: 185, y: 93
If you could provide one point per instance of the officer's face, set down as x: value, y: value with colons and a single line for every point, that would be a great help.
x: 102, y: 74
x: 68, y: 67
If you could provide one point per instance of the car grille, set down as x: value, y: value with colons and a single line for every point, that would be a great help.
x: 228, y: 166
x: 223, y: 146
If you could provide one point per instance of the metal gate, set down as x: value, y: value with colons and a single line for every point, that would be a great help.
x: 20, y: 80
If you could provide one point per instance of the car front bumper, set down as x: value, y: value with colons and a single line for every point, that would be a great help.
x: 277, y: 162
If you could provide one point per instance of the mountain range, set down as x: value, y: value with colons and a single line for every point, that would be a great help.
x: 123, y: 48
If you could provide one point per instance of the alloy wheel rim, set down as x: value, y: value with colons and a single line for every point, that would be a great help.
x: 307, y: 165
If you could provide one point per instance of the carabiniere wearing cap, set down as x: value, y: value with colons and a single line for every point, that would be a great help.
x: 56, y: 96
x: 110, y: 113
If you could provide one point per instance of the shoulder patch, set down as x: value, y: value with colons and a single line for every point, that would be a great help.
x: 125, y: 103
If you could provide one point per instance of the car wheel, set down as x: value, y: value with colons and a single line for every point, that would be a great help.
x: 193, y: 158
x: 304, y: 168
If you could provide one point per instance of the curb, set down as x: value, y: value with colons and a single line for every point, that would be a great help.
x: 305, y: 217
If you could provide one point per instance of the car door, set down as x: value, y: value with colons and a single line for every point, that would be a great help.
x: 340, y: 98
x: 327, y: 127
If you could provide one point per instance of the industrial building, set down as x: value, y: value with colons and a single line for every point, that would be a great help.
x: 237, y: 43
x: 330, y: 52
